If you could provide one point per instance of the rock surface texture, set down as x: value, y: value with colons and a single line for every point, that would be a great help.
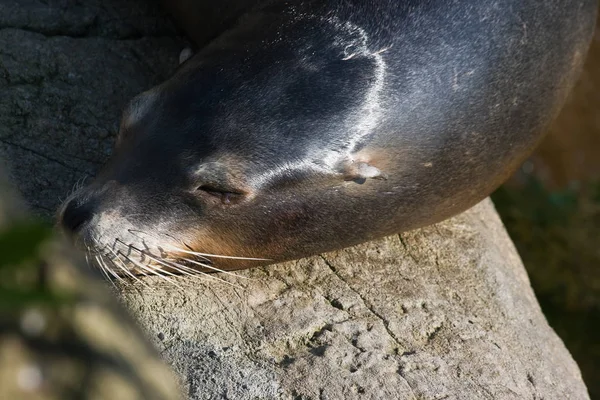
x: 445, y: 312
x: 442, y: 312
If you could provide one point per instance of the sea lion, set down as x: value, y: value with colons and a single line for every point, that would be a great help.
x: 309, y: 126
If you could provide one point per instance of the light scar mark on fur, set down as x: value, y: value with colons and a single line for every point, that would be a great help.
x: 283, y: 169
x: 371, y: 111
x: 369, y: 114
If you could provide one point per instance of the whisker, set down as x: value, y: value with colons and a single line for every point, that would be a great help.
x: 187, y: 270
x: 195, y: 253
x: 81, y: 182
x: 146, y: 254
x: 196, y: 273
x: 123, y: 281
x: 91, y: 264
x: 217, y: 255
x: 177, y: 267
x: 143, y: 267
x: 157, y: 237
x: 97, y: 264
x: 155, y: 272
x: 141, y: 271
x: 104, y: 271
x: 103, y: 267
x: 217, y: 269
x: 112, y: 272
x: 125, y: 269
x: 76, y: 186
x: 182, y: 268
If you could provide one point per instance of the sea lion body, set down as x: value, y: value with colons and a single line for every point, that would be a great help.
x: 308, y: 126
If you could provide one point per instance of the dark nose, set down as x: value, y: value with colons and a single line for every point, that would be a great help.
x: 76, y: 214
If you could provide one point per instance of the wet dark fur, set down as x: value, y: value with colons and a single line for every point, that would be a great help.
x: 467, y: 90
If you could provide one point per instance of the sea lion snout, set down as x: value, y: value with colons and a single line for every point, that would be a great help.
x: 76, y: 214
x: 80, y: 213
x: 100, y: 220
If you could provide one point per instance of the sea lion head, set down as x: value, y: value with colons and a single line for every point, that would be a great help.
x: 241, y: 158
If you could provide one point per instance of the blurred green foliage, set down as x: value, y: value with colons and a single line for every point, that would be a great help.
x: 557, y: 234
x: 22, y: 268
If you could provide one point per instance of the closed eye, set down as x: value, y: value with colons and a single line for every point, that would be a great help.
x: 226, y: 196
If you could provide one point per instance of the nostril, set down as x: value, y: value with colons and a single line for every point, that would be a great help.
x: 75, y: 215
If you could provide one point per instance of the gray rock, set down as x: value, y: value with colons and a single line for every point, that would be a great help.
x: 66, y: 72
x: 443, y: 312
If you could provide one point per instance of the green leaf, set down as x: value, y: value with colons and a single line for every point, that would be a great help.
x: 21, y: 242
x: 12, y: 299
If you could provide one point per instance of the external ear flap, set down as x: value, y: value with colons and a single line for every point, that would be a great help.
x: 360, y: 171
x: 185, y: 55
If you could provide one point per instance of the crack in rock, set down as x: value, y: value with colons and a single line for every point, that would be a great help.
x: 366, y: 303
